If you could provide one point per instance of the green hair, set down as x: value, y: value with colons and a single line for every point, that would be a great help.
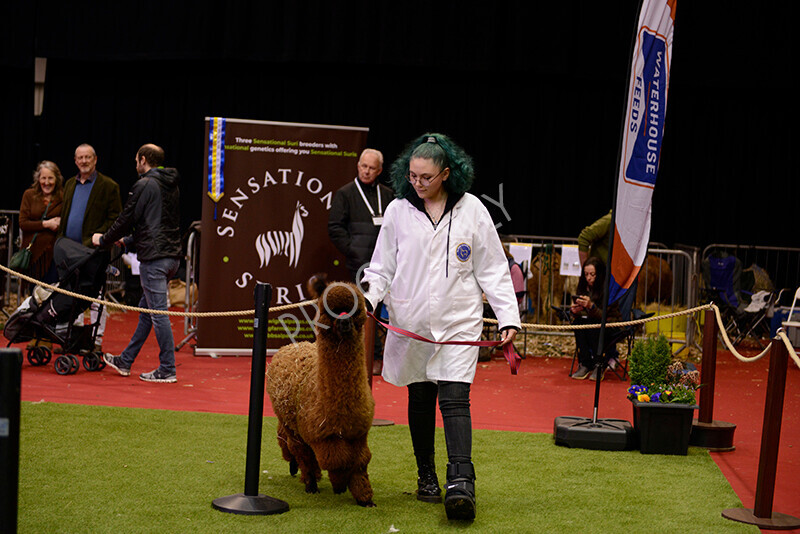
x: 444, y: 153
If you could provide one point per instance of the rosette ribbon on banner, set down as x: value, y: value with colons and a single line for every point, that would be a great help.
x: 216, y: 160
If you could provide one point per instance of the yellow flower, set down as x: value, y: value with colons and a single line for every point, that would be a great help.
x: 643, y: 397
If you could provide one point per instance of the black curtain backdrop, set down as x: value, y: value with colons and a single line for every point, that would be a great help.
x: 533, y: 91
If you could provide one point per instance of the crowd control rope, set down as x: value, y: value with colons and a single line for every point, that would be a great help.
x: 285, y: 307
x: 126, y: 307
x: 238, y: 313
x: 727, y: 341
x: 787, y: 342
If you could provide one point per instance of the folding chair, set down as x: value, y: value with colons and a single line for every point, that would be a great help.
x: 751, y: 321
x: 743, y: 313
x: 621, y: 334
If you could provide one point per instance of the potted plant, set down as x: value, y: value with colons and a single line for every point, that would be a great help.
x: 663, y: 395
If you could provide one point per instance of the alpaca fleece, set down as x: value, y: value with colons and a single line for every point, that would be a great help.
x: 320, y: 394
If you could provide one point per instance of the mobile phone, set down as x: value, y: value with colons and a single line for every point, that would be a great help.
x: 575, y: 298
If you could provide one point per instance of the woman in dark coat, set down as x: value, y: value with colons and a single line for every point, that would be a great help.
x: 46, y: 193
x: 587, y: 308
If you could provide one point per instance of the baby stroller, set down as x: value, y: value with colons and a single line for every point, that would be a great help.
x: 50, y: 316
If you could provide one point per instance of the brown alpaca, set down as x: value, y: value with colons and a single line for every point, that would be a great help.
x: 321, y: 396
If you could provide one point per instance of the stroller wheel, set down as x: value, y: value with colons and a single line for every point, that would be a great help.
x: 35, y: 356
x: 74, y: 365
x: 63, y: 364
x: 91, y: 361
x: 46, y: 355
x: 101, y: 362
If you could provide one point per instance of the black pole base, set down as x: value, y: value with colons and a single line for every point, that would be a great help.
x: 602, y: 434
x: 240, y: 503
x: 716, y: 436
x: 382, y: 422
x: 776, y: 521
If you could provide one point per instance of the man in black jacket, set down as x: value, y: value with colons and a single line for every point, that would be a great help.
x: 152, y: 213
x: 355, y: 220
x: 357, y: 212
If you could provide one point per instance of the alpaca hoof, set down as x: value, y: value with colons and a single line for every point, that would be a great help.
x: 312, y: 489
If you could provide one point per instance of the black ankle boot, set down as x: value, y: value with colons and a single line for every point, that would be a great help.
x: 459, y: 498
x: 428, y: 489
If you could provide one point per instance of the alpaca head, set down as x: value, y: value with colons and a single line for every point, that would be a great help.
x: 342, y: 309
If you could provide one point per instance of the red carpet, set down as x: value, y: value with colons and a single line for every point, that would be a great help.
x: 528, y: 402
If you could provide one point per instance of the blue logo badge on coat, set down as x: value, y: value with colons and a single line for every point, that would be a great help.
x: 463, y: 252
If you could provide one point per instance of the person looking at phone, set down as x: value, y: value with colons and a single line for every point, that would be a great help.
x: 587, y: 308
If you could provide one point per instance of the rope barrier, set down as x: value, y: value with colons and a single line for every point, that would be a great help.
x: 608, y: 325
x: 789, y: 347
x: 126, y: 307
x: 726, y: 340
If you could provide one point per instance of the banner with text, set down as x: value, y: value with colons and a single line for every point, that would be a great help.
x: 269, y: 188
x: 641, y: 141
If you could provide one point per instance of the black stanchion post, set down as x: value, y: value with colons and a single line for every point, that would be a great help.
x: 713, y: 435
x: 10, y: 385
x: 251, y: 502
x: 762, y: 515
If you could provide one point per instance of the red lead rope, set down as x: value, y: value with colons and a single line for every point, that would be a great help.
x: 510, y: 354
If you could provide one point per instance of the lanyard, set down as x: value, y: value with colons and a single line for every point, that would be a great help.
x: 364, y: 197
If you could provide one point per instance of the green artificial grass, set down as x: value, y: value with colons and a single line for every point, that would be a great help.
x: 101, y: 469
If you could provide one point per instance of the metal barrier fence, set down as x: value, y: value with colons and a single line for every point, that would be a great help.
x: 780, y: 264
x: 191, y: 279
x: 774, y: 270
x: 9, y: 244
x: 667, y: 284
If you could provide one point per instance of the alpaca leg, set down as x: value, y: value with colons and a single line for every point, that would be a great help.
x: 310, y: 472
x: 299, y: 455
x: 284, y: 436
x: 283, y: 442
x: 359, y: 484
x: 336, y: 457
x: 360, y: 487
x: 339, y: 479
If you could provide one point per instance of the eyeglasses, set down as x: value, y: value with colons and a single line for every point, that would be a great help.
x: 422, y: 180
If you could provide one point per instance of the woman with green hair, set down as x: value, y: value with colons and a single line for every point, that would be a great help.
x: 437, y: 255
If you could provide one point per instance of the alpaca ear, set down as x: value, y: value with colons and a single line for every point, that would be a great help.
x: 317, y: 284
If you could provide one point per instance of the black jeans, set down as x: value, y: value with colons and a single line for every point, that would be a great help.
x: 455, y: 408
x: 587, y: 340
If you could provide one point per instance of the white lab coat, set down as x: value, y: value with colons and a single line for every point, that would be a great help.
x: 435, y: 278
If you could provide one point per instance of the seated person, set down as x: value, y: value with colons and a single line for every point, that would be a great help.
x: 517, y: 279
x: 587, y: 309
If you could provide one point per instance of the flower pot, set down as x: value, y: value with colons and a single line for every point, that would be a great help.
x: 663, y: 428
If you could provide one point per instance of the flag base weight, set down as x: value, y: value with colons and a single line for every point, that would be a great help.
x: 776, y: 521
x: 716, y: 436
x: 239, y: 503
x: 601, y: 434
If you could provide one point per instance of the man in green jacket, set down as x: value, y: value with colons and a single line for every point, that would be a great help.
x: 91, y: 204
